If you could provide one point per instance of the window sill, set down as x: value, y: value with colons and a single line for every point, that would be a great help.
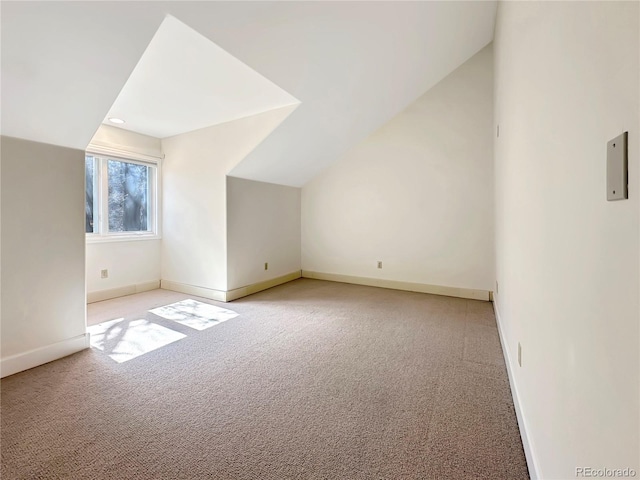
x: 93, y: 238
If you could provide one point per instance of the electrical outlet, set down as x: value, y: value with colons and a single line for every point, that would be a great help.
x: 497, y: 130
x: 266, y: 265
x: 496, y: 287
x: 379, y: 264
x: 104, y: 273
x: 519, y: 354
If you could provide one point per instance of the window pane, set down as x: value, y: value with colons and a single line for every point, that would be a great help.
x: 128, y: 197
x: 89, y: 173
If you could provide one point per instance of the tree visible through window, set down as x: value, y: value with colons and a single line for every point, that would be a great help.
x: 128, y: 193
x: 119, y: 196
x: 89, y: 170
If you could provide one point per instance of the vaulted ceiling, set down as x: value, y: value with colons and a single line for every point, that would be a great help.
x: 352, y: 65
x: 185, y: 82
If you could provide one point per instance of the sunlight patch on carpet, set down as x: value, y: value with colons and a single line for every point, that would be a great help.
x: 194, y: 314
x: 123, y: 340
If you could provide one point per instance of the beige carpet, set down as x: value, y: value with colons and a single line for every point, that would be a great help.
x: 312, y: 380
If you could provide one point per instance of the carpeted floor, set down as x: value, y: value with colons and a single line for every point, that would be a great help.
x: 312, y: 380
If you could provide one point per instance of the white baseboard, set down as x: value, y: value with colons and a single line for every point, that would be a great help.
x: 529, y: 451
x: 210, y: 293
x: 258, y: 287
x: 399, y: 285
x: 39, y: 356
x: 101, y: 295
x: 229, y: 295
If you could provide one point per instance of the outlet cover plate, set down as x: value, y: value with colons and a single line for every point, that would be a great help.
x: 519, y: 354
x: 617, y: 168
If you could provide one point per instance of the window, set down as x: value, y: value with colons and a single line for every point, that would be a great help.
x: 120, y: 198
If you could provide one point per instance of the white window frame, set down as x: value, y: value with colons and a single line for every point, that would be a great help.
x: 101, y: 234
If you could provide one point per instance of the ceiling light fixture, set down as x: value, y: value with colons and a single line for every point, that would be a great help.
x: 116, y: 120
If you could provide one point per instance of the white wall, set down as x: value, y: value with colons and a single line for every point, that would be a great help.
x: 43, y: 287
x: 194, y: 250
x: 416, y: 195
x: 566, y: 82
x: 113, y: 138
x: 263, y: 225
x: 129, y: 263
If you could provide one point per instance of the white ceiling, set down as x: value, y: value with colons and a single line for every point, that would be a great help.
x: 185, y: 82
x: 353, y: 65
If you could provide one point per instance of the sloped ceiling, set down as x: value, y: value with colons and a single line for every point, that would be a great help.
x: 353, y: 65
x: 185, y: 82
